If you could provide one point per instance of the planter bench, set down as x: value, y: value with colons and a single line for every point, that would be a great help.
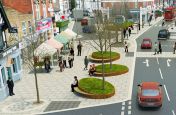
x: 95, y: 60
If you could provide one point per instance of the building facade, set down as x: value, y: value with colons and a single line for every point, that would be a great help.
x: 10, y: 59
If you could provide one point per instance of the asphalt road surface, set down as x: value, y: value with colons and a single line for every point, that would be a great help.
x: 152, y: 33
x: 161, y: 70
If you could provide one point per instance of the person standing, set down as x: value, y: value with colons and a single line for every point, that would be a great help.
x: 163, y: 23
x: 155, y: 46
x: 160, y: 48
x: 86, y: 61
x: 10, y: 86
x: 79, y: 47
x: 70, y: 61
x: 124, y: 33
x: 64, y: 61
x: 74, y: 84
x: 174, y: 48
x: 129, y: 31
x: 126, y: 47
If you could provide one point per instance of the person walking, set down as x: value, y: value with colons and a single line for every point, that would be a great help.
x: 10, y: 85
x: 126, y: 47
x: 86, y: 61
x: 79, y: 47
x: 160, y: 48
x: 163, y: 23
x: 129, y: 31
x: 174, y: 48
x: 74, y: 84
x: 65, y: 61
x: 155, y: 47
x: 70, y: 61
x: 124, y: 33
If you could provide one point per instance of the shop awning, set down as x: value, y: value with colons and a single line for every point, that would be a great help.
x: 54, y: 43
x: 69, y: 37
x: 61, y: 39
x: 45, y: 50
x: 71, y: 33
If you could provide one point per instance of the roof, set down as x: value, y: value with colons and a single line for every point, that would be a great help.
x: 149, y: 85
x: 61, y: 39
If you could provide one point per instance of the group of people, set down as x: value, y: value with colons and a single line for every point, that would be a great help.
x: 127, y: 32
x: 158, y: 48
x: 63, y: 60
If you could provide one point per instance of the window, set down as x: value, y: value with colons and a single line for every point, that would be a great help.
x: 1, y: 41
x: 14, y: 65
x: 24, y: 28
x: 3, y: 75
x: 19, y: 63
x: 9, y: 72
x: 29, y: 27
x: 44, y: 11
x: 37, y: 12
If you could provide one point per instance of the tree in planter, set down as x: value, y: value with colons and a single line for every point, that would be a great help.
x: 73, y: 4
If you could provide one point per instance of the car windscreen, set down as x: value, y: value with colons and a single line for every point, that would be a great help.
x: 162, y: 32
x: 150, y: 92
x: 146, y: 42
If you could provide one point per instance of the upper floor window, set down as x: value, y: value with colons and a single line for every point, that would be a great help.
x: 14, y: 65
x: 24, y: 28
x: 44, y: 11
x: 1, y: 41
x: 29, y: 27
x: 37, y: 12
x: 3, y: 75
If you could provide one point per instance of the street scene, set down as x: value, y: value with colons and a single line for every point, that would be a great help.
x: 87, y: 57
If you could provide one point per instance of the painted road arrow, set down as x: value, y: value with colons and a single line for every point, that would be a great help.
x: 168, y: 61
x: 147, y: 62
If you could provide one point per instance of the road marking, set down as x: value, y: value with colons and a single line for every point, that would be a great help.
x: 123, y: 103
x: 157, y: 60
x: 147, y: 62
x: 129, y: 102
x: 168, y: 60
x: 129, y: 107
x: 160, y: 73
x: 166, y: 93
x: 122, y: 113
x: 173, y: 112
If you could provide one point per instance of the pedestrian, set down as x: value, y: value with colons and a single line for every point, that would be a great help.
x: 64, y: 61
x: 139, y: 26
x: 129, y: 30
x: 163, y: 23
x: 127, y: 33
x: 160, y: 48
x: 79, y: 47
x: 155, y: 46
x: 10, y: 85
x: 74, y: 84
x: 126, y: 47
x: 47, y: 64
x: 142, y: 23
x: 70, y: 61
x: 72, y: 51
x: 174, y: 48
x: 86, y: 61
x: 61, y: 66
x: 124, y: 33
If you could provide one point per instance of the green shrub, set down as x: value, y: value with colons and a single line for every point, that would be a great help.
x: 106, y: 55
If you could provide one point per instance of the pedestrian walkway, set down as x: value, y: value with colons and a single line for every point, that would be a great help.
x: 55, y: 86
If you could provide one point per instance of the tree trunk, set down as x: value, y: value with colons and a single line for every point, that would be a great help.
x: 103, y: 83
x: 36, y: 84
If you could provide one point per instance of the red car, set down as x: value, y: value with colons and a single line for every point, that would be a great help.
x: 146, y: 43
x: 150, y: 94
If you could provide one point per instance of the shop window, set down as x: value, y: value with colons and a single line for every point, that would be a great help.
x: 30, y: 27
x: 1, y: 41
x: 37, y: 12
x: 14, y: 65
x: 3, y: 75
x: 19, y: 63
x: 24, y: 28
x: 9, y: 72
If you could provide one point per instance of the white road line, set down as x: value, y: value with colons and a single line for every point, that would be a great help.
x: 123, y: 103
x: 173, y: 112
x: 123, y: 108
x: 129, y: 112
x: 161, y: 73
x: 129, y: 102
x: 157, y: 60
x: 129, y: 107
x: 166, y: 93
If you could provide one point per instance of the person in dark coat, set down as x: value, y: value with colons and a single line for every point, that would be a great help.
x: 160, y: 48
x: 70, y: 61
x: 86, y: 61
x: 72, y: 51
x: 129, y: 30
x: 74, y: 84
x: 79, y: 47
x: 124, y: 32
x: 10, y: 86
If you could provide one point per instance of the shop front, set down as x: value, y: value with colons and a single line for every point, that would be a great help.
x: 10, y: 67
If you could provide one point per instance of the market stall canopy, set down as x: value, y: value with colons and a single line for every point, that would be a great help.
x: 69, y: 37
x: 54, y: 43
x: 61, y: 39
x: 71, y: 33
x: 44, y: 50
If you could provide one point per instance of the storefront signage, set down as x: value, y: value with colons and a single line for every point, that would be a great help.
x: 9, y: 51
x: 44, y: 25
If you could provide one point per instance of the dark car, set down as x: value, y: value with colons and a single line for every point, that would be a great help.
x: 150, y: 94
x: 163, y: 34
x: 146, y: 43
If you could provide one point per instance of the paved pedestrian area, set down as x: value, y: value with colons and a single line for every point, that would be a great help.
x: 55, y: 86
